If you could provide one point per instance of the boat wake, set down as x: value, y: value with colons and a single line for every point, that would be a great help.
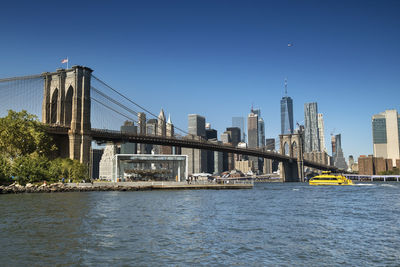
x: 364, y: 184
x: 388, y: 185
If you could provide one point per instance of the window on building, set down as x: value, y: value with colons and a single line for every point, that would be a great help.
x: 379, y: 131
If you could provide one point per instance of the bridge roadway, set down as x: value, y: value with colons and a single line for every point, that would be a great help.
x: 101, y: 135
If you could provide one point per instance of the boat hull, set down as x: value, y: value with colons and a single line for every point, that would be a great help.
x: 330, y: 179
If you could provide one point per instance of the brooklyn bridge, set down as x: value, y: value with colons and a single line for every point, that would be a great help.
x: 79, y: 108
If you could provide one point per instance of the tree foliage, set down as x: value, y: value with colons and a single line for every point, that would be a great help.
x: 31, y: 169
x: 395, y: 171
x: 21, y: 134
x: 5, y: 177
x: 24, y: 153
x: 68, y: 169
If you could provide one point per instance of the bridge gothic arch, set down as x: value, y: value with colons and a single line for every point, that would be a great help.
x: 294, y: 149
x: 66, y: 102
x: 54, y: 106
x: 68, y: 106
x: 286, y: 149
x: 291, y: 145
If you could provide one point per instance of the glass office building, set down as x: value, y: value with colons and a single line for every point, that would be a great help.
x: 287, y: 115
x: 311, y: 135
x: 385, y: 135
x: 239, y: 122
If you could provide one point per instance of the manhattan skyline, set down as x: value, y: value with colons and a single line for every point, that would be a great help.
x: 217, y: 58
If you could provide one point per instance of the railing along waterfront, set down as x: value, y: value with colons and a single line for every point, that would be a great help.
x: 364, y: 177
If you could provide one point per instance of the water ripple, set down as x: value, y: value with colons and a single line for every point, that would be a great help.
x: 271, y: 225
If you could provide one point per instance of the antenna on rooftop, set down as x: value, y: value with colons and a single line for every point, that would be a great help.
x: 285, y: 86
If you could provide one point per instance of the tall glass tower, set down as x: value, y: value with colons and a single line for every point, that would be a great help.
x: 286, y: 113
x: 311, y: 136
x: 261, y: 128
x: 239, y: 122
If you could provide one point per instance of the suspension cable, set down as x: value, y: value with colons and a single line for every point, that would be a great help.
x: 114, y: 101
x: 21, y: 78
x: 129, y: 118
x: 126, y: 98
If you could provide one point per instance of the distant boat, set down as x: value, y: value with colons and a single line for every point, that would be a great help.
x: 326, y: 178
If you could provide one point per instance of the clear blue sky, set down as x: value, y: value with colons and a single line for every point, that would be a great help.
x: 217, y: 58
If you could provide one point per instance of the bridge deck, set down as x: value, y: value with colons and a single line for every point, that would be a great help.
x: 119, y: 137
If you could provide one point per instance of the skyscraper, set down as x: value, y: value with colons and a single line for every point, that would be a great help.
x: 385, y: 134
x: 333, y: 142
x: 197, y: 125
x: 142, y: 131
x: 239, y: 122
x: 311, y: 135
x: 321, y: 132
x: 339, y: 160
x: 161, y: 124
x: 252, y: 130
x: 270, y: 144
x: 286, y: 113
x: 261, y: 132
x: 211, y: 135
x: 170, y: 132
x: 129, y: 128
x: 161, y: 131
x: 151, y: 129
x: 235, y: 135
x: 197, y: 158
x: 261, y: 128
x: 252, y: 135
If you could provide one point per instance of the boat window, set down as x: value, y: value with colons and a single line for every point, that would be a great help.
x: 324, y: 178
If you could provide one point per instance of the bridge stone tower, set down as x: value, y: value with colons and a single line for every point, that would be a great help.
x: 66, y: 102
x: 292, y: 145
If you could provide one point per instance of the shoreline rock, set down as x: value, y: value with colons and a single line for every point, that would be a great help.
x: 59, y: 187
x: 87, y: 187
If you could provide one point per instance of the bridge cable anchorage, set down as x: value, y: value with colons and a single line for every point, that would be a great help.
x: 136, y: 104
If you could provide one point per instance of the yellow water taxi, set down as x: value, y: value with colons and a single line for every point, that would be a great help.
x: 326, y: 178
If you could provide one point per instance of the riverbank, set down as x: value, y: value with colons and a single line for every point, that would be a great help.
x: 121, y: 186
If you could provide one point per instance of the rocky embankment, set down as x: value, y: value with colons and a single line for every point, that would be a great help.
x: 120, y: 186
x: 60, y: 187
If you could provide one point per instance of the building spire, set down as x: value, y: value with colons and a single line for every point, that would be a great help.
x: 285, y: 86
x: 169, y: 119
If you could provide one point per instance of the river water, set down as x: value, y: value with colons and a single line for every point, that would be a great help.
x: 274, y: 224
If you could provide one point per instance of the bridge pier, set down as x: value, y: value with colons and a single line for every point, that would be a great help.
x: 292, y: 145
x: 66, y: 102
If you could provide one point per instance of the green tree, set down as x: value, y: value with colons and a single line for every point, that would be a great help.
x: 68, y: 169
x: 5, y: 175
x: 79, y: 171
x: 31, y: 169
x: 25, y: 148
x: 55, y: 170
x: 21, y: 134
x: 395, y: 171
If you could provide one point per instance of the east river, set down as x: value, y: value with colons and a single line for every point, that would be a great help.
x: 274, y: 224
